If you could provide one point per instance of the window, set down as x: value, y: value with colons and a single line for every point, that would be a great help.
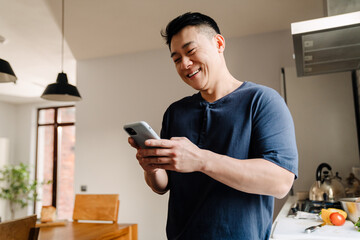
x: 55, y: 159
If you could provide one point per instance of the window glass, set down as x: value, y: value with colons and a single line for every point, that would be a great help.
x: 66, y: 158
x: 45, y: 163
x: 66, y: 114
x: 46, y: 116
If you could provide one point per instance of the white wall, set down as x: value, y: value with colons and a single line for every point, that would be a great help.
x: 140, y: 86
x: 259, y: 58
x: 322, y: 107
x: 8, y: 119
x: 8, y: 135
x: 4, y: 160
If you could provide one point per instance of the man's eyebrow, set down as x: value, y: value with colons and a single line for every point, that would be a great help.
x: 184, y: 46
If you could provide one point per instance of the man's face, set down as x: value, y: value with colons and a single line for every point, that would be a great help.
x: 196, y: 57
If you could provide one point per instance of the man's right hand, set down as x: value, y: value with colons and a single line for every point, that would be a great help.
x: 155, y: 177
x: 148, y: 168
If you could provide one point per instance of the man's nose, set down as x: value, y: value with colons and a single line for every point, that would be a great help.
x: 186, y: 63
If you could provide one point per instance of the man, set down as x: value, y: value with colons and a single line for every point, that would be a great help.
x: 226, y: 151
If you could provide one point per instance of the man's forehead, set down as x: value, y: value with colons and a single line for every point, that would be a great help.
x: 185, y: 35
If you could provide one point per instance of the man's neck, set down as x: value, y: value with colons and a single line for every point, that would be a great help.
x: 221, y: 88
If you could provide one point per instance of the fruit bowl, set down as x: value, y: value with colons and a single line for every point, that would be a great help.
x: 351, y: 207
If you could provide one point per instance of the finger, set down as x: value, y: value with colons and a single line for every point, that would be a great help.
x: 159, y: 143
x: 156, y: 160
x: 177, y: 138
x: 133, y: 143
x: 148, y: 167
x: 155, y: 152
x: 152, y: 166
x: 147, y: 155
x: 139, y: 157
x: 162, y: 166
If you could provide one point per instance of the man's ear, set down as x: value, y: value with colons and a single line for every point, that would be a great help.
x: 220, y: 43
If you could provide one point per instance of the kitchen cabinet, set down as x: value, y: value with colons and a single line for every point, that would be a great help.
x: 285, y: 227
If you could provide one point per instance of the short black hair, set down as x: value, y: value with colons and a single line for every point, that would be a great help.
x: 187, y: 19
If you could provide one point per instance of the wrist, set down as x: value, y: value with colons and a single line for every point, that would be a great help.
x: 204, y: 159
x: 157, y: 180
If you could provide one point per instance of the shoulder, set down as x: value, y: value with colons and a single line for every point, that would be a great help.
x: 259, y: 92
x: 264, y: 99
x: 258, y: 96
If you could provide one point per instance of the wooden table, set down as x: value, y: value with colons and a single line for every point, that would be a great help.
x: 89, y: 231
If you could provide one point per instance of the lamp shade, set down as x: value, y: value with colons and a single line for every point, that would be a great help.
x: 61, y: 90
x: 6, y: 72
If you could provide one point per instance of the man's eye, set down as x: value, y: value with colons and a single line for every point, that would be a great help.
x: 191, y: 51
x: 176, y: 60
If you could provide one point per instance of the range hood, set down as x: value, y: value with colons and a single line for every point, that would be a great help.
x: 327, y: 45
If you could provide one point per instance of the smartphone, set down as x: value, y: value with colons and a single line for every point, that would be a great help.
x: 140, y: 131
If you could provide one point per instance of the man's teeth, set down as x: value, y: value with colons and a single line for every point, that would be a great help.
x: 192, y: 74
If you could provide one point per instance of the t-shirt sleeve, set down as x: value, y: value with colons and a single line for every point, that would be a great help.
x: 273, y: 134
x: 164, y: 133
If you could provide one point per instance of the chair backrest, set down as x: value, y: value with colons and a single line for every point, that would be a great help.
x: 98, y: 207
x: 19, y: 229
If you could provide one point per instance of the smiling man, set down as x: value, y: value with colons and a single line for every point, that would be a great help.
x: 226, y: 151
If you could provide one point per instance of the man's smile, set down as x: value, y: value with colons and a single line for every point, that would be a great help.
x: 193, y: 73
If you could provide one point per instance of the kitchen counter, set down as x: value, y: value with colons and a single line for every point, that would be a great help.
x: 290, y: 228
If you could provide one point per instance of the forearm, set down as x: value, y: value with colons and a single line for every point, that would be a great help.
x: 257, y: 176
x: 157, y: 180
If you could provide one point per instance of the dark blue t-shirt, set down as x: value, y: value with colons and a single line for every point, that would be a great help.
x: 251, y: 122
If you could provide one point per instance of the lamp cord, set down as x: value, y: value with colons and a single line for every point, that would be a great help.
x: 62, y: 43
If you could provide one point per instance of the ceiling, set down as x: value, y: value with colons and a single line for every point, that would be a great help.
x: 102, y: 28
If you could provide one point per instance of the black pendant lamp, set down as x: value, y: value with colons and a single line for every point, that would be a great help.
x: 61, y: 90
x: 6, y: 72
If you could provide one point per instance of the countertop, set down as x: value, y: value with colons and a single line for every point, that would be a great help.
x: 290, y: 228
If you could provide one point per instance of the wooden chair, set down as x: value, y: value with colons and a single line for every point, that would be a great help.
x: 19, y: 229
x: 97, y: 207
